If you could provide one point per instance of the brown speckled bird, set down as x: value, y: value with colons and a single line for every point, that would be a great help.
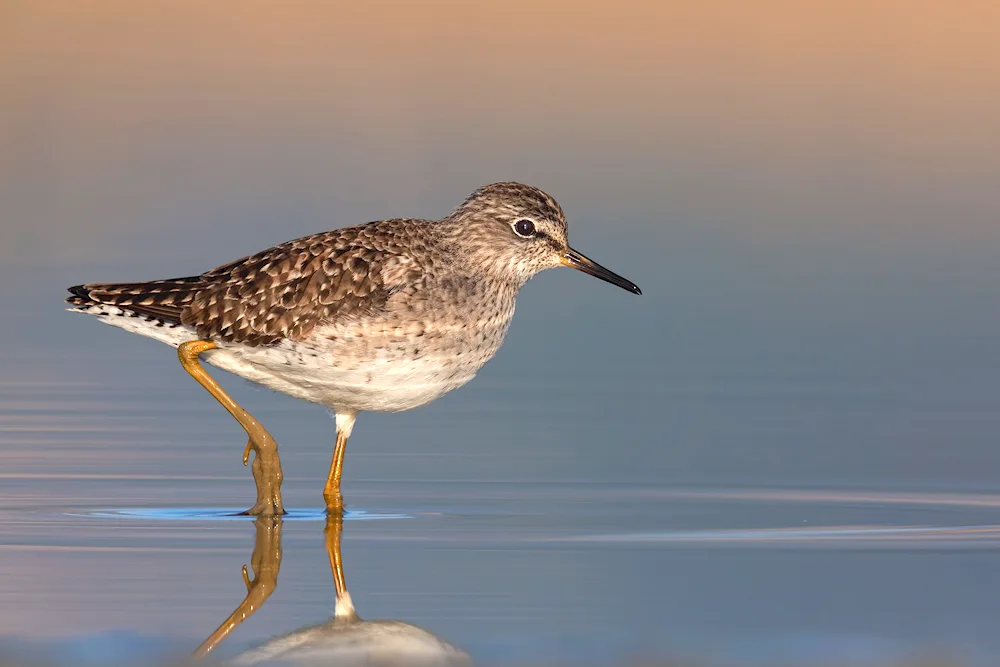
x: 385, y: 316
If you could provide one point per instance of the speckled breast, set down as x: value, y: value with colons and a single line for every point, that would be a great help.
x: 421, y: 346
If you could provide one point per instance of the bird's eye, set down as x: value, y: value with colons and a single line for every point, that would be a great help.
x: 524, y: 228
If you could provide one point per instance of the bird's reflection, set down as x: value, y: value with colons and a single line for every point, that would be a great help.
x: 344, y: 639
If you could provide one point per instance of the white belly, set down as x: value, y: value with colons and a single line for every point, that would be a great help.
x: 384, y: 385
x: 378, y: 366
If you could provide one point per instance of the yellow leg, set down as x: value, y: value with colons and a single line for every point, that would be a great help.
x: 266, y: 464
x: 265, y: 561
x: 331, y: 492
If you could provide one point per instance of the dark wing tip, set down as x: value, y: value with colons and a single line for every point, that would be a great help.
x: 159, y: 299
x: 80, y: 294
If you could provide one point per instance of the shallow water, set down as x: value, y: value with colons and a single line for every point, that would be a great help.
x: 109, y: 550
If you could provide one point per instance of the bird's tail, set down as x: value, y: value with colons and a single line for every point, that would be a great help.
x: 161, y: 300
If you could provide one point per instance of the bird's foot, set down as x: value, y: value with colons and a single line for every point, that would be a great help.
x: 266, y: 474
x: 334, y: 502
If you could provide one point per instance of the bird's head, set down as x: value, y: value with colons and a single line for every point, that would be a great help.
x: 518, y: 230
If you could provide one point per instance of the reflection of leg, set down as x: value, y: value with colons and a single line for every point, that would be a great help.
x: 331, y: 492
x: 345, y: 607
x: 265, y: 561
x: 266, y: 464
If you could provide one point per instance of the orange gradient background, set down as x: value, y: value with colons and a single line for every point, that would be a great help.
x: 867, y: 122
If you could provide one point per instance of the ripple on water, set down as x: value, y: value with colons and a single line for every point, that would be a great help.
x: 224, y: 514
x: 904, y: 537
x: 636, y: 516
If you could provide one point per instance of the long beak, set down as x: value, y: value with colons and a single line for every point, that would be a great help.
x: 575, y: 260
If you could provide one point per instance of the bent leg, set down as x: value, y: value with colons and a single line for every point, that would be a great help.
x: 266, y: 464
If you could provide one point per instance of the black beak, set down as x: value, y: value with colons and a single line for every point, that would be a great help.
x: 575, y: 260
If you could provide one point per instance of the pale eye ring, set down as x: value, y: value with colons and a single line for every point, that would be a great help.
x: 524, y: 228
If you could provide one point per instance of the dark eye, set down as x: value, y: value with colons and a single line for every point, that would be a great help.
x: 524, y: 227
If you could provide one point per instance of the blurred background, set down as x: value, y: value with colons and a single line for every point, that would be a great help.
x: 806, y: 193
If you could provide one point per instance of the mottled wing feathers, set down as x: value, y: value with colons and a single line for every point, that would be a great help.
x: 282, y: 292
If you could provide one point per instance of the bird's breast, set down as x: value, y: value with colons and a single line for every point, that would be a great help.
x: 387, y: 362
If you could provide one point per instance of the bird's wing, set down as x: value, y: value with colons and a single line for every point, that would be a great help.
x: 285, y: 291
x: 282, y: 292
